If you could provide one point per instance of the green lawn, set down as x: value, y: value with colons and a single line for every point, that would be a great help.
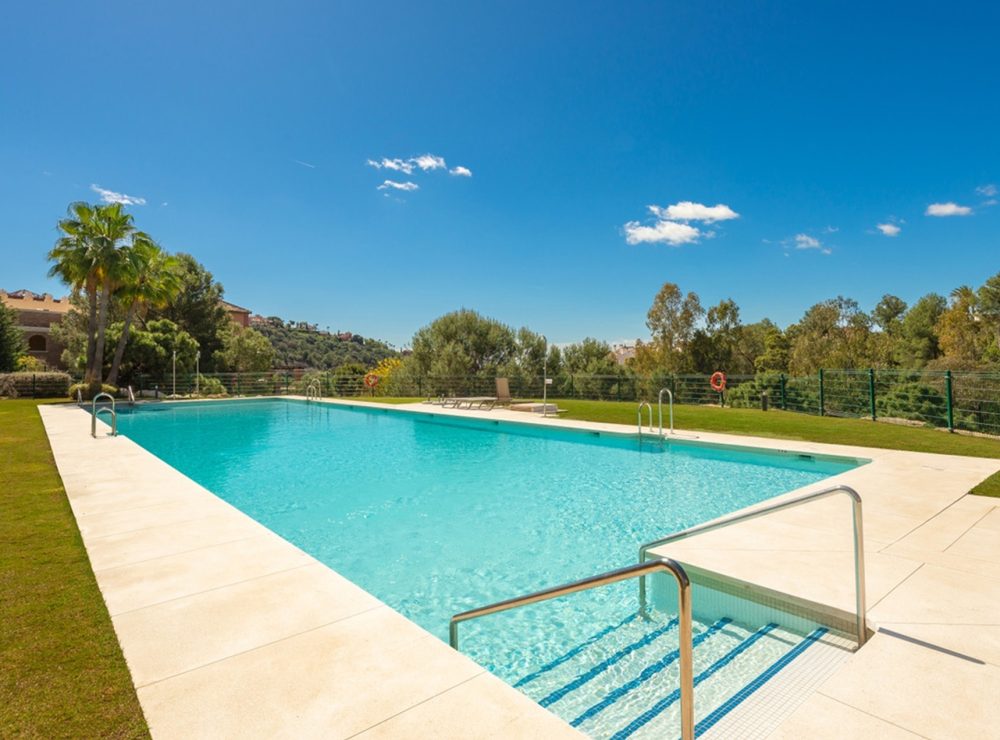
x: 789, y: 425
x: 63, y: 674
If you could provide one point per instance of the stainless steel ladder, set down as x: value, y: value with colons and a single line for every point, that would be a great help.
x: 639, y: 570
x: 647, y: 567
x: 638, y: 416
x: 659, y: 405
x: 95, y: 412
x: 859, y: 544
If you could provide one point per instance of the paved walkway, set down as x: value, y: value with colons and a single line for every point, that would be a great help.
x: 229, y: 630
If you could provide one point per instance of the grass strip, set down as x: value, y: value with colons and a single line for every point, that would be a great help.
x: 63, y: 671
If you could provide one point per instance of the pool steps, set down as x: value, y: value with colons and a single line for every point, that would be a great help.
x: 623, y: 681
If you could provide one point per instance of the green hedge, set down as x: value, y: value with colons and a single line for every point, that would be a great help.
x: 37, y: 385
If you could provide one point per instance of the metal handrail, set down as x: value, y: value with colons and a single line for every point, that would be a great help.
x: 313, y: 391
x: 638, y: 416
x: 659, y: 405
x: 859, y: 544
x: 640, y: 570
x: 94, y: 411
x: 131, y: 396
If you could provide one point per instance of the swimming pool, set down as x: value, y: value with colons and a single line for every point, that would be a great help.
x: 435, y: 515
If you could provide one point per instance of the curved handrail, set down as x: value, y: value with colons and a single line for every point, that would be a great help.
x: 638, y: 416
x: 94, y: 412
x: 659, y: 405
x: 640, y: 570
x: 859, y: 544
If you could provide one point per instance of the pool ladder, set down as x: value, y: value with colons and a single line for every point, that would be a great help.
x: 95, y: 412
x: 659, y: 405
x: 314, y: 391
x: 647, y: 567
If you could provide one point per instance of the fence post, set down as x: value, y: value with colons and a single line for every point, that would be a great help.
x: 237, y: 383
x: 33, y: 393
x: 822, y: 400
x: 948, y: 400
x: 871, y: 390
x: 783, y: 398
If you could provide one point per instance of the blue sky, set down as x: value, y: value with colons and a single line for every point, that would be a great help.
x: 781, y: 134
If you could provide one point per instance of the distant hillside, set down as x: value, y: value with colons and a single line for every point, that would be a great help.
x: 301, y: 345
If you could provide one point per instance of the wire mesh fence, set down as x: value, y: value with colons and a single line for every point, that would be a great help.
x: 968, y: 401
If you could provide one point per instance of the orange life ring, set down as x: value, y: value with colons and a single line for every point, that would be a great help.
x: 718, y: 381
x: 371, y: 380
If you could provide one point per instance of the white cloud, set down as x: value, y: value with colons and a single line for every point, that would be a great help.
x: 689, y: 211
x: 888, y: 229
x: 671, y: 225
x: 987, y: 191
x: 667, y: 232
x: 405, y: 186
x: 110, y: 196
x: 947, y: 209
x: 304, y: 164
x: 399, y: 165
x: 804, y: 241
x: 461, y: 171
x: 429, y: 162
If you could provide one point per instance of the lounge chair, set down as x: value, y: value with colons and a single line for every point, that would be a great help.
x: 503, y: 392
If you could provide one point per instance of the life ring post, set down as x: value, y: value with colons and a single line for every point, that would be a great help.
x: 718, y: 383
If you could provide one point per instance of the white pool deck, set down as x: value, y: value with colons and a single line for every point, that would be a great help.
x: 231, y: 631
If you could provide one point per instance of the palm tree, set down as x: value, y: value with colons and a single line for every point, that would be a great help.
x: 152, y: 281
x: 93, y: 255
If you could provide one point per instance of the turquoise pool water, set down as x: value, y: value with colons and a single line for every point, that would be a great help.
x: 435, y: 516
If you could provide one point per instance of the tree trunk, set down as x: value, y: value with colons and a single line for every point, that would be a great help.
x: 89, y: 376
x: 102, y: 321
x: 122, y: 341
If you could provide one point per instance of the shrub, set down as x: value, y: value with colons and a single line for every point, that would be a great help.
x: 29, y: 364
x: 88, y: 390
x: 913, y: 401
x: 40, y: 385
x: 7, y: 388
x: 210, y: 386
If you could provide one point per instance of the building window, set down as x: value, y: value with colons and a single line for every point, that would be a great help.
x: 36, y: 343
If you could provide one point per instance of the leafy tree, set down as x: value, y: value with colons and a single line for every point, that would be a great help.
x: 775, y: 354
x: 12, y: 344
x: 245, y: 350
x: 197, y: 309
x: 150, y: 349
x: 888, y: 314
x: 960, y: 330
x: 989, y: 306
x: 462, y: 344
x: 918, y: 341
x: 672, y: 320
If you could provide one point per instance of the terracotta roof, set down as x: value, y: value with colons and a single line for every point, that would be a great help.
x: 233, y: 307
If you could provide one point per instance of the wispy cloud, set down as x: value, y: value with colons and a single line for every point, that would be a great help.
x: 304, y: 164
x: 399, y: 165
x: 409, y: 166
x: 404, y: 186
x: 429, y: 162
x: 987, y: 191
x: 889, y: 229
x: 110, y: 196
x: 804, y: 241
x: 947, y: 209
